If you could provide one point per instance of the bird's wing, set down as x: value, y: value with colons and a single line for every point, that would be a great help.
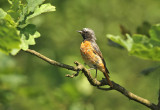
x: 97, y: 51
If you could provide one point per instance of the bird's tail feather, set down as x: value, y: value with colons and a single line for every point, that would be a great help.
x: 107, y: 77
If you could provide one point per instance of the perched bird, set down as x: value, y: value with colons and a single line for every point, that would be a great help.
x: 91, y: 53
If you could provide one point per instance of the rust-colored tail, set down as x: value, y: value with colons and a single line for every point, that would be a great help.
x: 107, y: 77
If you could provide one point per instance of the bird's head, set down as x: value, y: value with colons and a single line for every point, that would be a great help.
x: 87, y: 34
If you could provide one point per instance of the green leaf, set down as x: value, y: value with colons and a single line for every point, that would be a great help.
x: 9, y: 38
x: 10, y: 21
x: 32, y: 4
x: 15, y: 5
x: 23, y: 15
x: 28, y: 35
x: 15, y: 9
x: 125, y: 43
x: 140, y: 45
x: 146, y: 53
x: 15, y: 31
x: 2, y: 13
x: 155, y: 32
x: 42, y: 9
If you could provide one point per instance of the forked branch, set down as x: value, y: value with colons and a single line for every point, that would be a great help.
x: 79, y: 67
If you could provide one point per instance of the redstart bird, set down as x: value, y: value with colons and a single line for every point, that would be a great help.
x: 91, y: 53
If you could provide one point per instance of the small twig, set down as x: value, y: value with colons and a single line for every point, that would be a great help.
x: 73, y: 75
x: 94, y: 82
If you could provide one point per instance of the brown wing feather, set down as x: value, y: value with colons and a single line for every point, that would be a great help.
x: 97, y: 51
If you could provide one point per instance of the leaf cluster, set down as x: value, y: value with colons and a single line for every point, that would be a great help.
x: 16, y: 32
x: 146, y: 47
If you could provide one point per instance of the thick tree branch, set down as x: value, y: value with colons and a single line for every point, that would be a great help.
x: 95, y: 82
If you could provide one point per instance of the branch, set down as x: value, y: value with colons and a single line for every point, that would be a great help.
x: 95, y: 82
x: 52, y: 62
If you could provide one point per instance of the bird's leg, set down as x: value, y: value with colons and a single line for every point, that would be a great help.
x: 91, y: 69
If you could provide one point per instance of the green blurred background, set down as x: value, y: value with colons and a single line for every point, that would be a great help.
x: 28, y: 83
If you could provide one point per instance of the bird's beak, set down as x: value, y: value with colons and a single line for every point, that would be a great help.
x: 80, y: 32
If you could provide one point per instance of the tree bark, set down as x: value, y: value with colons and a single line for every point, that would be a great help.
x: 79, y: 67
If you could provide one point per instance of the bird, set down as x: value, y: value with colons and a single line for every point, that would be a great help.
x: 91, y: 53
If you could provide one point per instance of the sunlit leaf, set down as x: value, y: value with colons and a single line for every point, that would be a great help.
x: 15, y: 31
x: 141, y: 45
x: 32, y: 4
x: 2, y: 13
x: 42, y: 9
x: 9, y: 38
x: 125, y: 43
x: 15, y: 9
x: 28, y: 35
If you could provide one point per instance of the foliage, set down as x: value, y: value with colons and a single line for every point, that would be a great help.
x: 140, y: 45
x: 15, y: 30
x: 16, y: 33
x: 36, y: 85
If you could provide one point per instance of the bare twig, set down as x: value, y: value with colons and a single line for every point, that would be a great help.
x: 72, y: 75
x: 79, y: 67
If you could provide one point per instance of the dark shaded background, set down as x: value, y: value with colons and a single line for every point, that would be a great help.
x: 28, y: 83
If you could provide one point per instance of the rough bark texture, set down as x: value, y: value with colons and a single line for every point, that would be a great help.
x: 79, y: 67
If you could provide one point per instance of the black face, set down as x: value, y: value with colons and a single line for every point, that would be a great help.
x: 87, y: 34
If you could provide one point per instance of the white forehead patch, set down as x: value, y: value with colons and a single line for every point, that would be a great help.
x: 88, y: 30
x: 85, y: 29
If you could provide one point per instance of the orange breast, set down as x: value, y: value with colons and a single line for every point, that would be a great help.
x: 92, y: 59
